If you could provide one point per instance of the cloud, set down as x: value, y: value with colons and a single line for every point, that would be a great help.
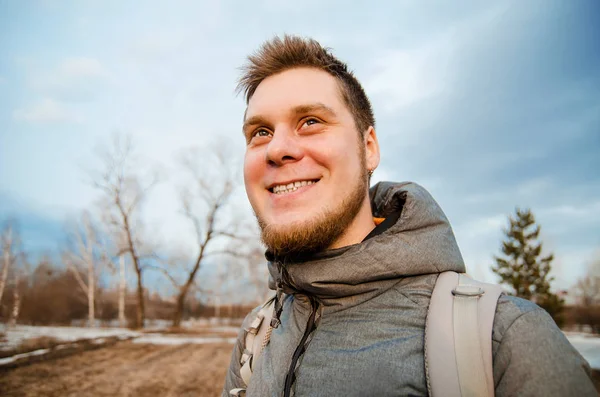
x: 74, y: 79
x: 406, y: 76
x: 571, y: 264
x: 81, y: 67
x: 521, y: 190
x: 46, y: 111
x: 589, y: 212
x: 483, y: 227
x: 426, y: 67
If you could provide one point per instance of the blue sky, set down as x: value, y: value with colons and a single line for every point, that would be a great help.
x: 489, y: 105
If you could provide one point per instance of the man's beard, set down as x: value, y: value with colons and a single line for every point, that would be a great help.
x: 316, y: 234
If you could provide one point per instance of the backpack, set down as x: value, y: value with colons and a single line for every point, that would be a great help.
x: 458, y: 338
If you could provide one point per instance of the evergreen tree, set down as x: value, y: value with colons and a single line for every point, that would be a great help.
x: 522, y: 266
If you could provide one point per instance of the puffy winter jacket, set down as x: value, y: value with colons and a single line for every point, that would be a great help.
x: 353, y: 318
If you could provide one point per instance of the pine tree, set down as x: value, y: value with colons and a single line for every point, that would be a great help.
x: 522, y: 266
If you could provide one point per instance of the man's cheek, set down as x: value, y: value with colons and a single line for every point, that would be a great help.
x: 252, y: 170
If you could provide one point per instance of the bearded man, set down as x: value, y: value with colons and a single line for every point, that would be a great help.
x: 354, y: 268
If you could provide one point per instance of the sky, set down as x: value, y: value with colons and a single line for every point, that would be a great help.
x: 488, y: 105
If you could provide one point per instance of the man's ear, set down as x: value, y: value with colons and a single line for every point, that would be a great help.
x: 371, y: 149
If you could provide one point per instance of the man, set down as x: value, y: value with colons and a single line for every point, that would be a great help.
x: 354, y: 269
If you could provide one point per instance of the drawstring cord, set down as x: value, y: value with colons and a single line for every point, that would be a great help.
x: 278, y: 304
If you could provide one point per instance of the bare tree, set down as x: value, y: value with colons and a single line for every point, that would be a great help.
x: 12, y: 258
x: 204, y: 204
x: 14, y: 317
x: 587, y: 288
x: 119, y: 270
x: 85, y: 256
x: 587, y: 292
x: 9, y: 241
x: 124, y: 189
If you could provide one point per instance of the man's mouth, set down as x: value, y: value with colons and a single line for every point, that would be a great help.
x: 291, y: 187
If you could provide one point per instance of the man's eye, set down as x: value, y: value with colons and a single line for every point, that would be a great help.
x: 261, y: 133
x: 310, y: 122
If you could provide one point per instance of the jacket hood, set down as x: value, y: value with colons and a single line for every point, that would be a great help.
x: 420, y: 242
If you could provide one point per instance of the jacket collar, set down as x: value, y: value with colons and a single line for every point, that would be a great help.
x: 420, y: 242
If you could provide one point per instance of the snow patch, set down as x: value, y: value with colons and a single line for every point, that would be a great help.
x: 7, y: 360
x: 18, y: 356
x: 38, y: 352
x: 16, y: 335
x: 588, y: 346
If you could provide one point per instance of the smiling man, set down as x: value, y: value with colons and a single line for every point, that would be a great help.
x: 353, y: 268
x: 306, y: 167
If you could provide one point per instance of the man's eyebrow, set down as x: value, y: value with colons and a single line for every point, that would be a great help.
x: 314, y: 107
x: 254, y: 120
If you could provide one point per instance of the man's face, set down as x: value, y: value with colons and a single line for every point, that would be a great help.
x: 304, y: 169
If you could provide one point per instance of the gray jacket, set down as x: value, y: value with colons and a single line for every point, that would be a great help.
x: 365, y: 306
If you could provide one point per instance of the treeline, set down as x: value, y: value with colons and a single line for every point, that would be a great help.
x: 51, y: 296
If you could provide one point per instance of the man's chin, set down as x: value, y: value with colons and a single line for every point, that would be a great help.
x: 299, y: 232
x: 299, y: 237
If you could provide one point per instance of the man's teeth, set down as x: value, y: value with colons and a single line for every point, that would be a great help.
x: 291, y: 187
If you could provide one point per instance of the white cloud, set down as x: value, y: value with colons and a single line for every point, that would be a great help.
x: 479, y: 228
x: 73, y: 79
x: 46, y: 111
x: 525, y: 190
x: 590, y: 210
x: 81, y: 67
x: 154, y: 46
x: 407, y: 76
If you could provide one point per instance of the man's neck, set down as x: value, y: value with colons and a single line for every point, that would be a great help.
x: 360, y: 227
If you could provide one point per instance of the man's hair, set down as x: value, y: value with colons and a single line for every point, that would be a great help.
x: 278, y: 55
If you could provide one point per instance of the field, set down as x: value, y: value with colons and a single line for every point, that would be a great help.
x: 189, y: 363
x: 124, y: 369
x: 70, y: 361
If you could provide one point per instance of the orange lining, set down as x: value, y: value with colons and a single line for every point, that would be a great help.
x: 378, y: 221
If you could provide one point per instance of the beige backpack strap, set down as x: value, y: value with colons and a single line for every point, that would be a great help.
x: 458, y: 337
x: 257, y: 337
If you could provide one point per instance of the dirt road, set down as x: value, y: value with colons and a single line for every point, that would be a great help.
x: 125, y: 369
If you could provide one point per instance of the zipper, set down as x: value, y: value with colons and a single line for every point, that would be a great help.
x: 290, y: 378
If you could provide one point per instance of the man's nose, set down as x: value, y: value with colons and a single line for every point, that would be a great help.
x: 283, y: 147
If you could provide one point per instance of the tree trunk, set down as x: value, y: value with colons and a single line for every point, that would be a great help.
x: 4, y: 272
x: 16, y: 301
x: 88, y: 246
x: 122, y: 291
x: 141, y: 312
x: 178, y: 310
x: 184, y: 290
x: 91, y: 298
x: 179, y: 307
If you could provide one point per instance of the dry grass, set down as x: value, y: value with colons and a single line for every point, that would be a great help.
x: 124, y: 369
